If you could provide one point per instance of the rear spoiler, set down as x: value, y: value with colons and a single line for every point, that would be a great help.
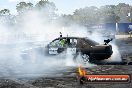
x: 107, y: 41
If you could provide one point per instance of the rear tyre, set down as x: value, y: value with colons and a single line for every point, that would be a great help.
x: 82, y: 58
x: 86, y: 58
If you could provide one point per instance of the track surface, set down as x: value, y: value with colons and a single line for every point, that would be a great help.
x: 67, y: 78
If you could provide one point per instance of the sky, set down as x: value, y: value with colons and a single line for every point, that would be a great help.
x: 64, y: 6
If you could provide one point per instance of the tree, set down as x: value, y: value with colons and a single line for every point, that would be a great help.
x: 23, y: 7
x: 45, y: 5
x: 122, y: 11
x: 107, y: 14
x: 42, y: 4
x: 47, y: 9
x: 66, y: 20
x: 6, y: 17
x: 86, y: 16
x: 5, y: 12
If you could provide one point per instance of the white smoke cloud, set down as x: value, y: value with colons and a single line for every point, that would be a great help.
x: 32, y: 32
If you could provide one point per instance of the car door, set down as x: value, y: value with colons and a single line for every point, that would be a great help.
x: 84, y: 46
x: 71, y: 45
x: 53, y: 47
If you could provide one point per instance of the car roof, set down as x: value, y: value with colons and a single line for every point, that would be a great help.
x: 84, y: 38
x: 70, y: 38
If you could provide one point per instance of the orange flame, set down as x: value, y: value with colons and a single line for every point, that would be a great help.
x: 81, y: 71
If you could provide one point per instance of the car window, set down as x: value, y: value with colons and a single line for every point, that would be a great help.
x: 55, y: 43
x: 60, y: 43
x: 91, y: 42
x: 71, y: 42
x: 68, y: 42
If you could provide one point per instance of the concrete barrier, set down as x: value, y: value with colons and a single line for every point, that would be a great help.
x: 121, y: 36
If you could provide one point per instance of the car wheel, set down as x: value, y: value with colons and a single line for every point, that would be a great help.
x: 81, y: 58
x: 85, y: 57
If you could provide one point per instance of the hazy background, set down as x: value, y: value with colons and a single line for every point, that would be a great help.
x: 64, y: 6
x: 35, y: 24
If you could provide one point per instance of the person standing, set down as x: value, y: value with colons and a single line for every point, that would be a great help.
x: 60, y: 34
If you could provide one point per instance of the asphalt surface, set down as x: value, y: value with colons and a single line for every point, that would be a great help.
x: 68, y: 78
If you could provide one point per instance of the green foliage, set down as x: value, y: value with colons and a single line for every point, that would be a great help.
x: 83, y: 16
x: 87, y: 15
x: 104, y: 14
x: 23, y: 7
x: 5, y: 12
x: 45, y: 4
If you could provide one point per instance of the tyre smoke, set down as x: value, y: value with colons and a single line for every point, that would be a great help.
x: 22, y: 45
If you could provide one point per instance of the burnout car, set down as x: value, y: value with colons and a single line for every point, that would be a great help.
x: 89, y: 49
